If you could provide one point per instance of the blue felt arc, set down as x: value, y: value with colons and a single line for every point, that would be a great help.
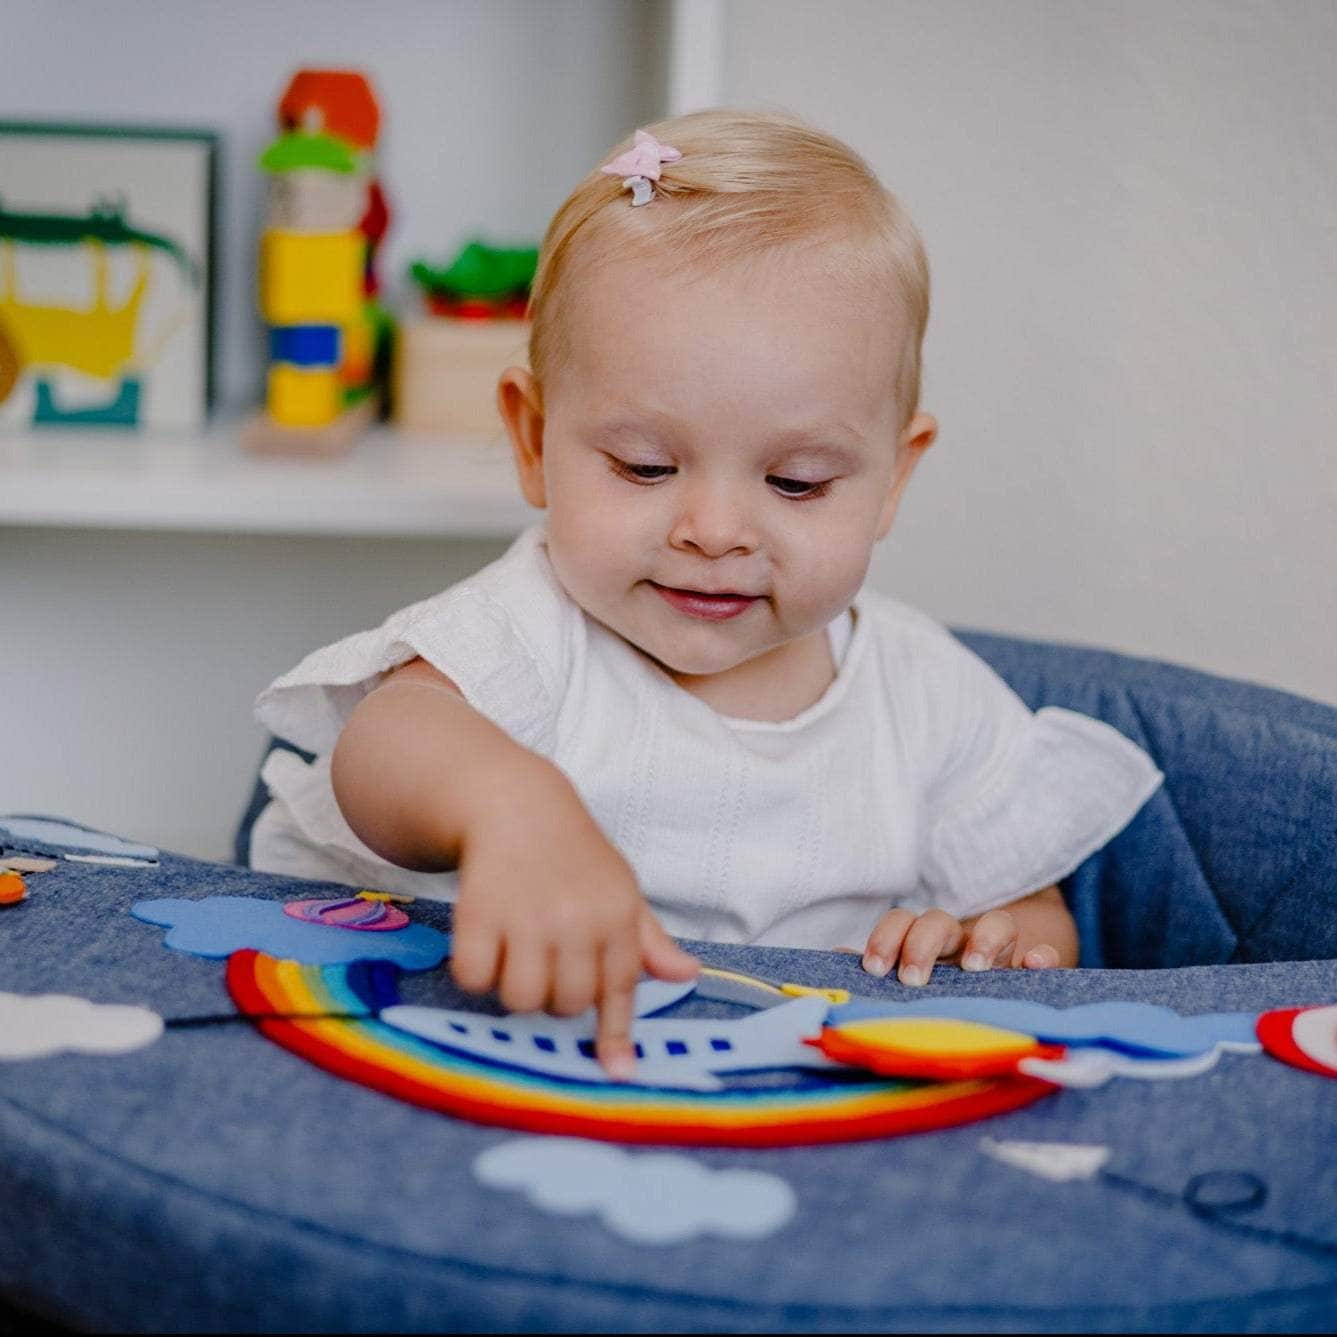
x: 217, y: 926
x: 1135, y: 1028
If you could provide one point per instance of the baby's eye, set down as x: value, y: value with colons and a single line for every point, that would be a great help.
x: 641, y: 473
x: 796, y: 487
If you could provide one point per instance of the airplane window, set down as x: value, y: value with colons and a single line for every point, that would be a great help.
x: 500, y: 1035
x: 459, y: 1028
x: 640, y: 1051
x: 675, y: 1047
x: 586, y: 1047
x: 545, y: 1043
x: 719, y: 1043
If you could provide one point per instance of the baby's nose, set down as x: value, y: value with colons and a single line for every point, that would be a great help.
x: 714, y: 522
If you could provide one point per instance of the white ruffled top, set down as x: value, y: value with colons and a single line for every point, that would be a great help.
x: 918, y: 779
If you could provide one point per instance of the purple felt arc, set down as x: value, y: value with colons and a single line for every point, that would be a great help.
x: 348, y: 912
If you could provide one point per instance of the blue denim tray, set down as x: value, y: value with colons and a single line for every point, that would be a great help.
x: 215, y: 1182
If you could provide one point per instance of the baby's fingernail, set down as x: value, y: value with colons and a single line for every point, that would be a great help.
x: 875, y: 965
x: 975, y: 961
x: 914, y: 976
x: 621, y: 1067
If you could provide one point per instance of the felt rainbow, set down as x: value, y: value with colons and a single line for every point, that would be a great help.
x: 373, y: 1054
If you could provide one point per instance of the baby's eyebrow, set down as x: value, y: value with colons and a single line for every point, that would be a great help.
x: 646, y: 428
x: 817, y: 448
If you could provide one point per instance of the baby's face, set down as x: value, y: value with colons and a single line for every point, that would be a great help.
x: 720, y: 454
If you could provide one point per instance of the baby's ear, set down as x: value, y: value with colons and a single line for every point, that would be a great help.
x: 521, y: 408
x: 918, y: 435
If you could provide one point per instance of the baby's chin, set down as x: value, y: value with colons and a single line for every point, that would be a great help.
x: 693, y: 656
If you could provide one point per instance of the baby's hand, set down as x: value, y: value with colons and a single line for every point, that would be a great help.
x: 550, y: 915
x: 918, y: 941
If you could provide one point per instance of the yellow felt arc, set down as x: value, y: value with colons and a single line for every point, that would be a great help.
x: 937, y: 1037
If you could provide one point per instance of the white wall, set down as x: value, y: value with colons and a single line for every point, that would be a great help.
x: 129, y: 661
x: 1129, y: 211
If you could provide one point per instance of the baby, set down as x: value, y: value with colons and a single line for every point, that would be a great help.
x: 672, y: 708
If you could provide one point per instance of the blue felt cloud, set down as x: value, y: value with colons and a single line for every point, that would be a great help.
x: 217, y: 926
x: 46, y: 835
x: 1144, y: 1029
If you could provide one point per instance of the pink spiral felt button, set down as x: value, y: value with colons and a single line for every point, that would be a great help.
x: 348, y: 912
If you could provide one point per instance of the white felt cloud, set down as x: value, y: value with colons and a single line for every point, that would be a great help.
x: 1085, y: 1069
x: 648, y: 1198
x: 37, y: 1025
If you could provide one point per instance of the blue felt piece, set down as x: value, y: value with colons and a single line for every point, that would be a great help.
x: 1136, y: 1028
x: 217, y: 926
x: 305, y: 345
x: 43, y: 835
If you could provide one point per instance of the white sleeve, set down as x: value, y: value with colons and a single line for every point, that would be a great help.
x: 503, y: 636
x: 1019, y: 798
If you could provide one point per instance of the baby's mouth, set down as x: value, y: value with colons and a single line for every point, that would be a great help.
x: 709, y: 605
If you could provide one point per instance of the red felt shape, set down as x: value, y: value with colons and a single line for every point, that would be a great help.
x: 1278, y: 1034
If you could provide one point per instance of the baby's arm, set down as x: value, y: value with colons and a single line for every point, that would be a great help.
x: 549, y: 912
x: 1035, y: 932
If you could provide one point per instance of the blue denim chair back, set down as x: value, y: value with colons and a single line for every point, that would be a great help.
x: 1233, y: 859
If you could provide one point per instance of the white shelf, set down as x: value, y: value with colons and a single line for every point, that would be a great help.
x: 389, y: 484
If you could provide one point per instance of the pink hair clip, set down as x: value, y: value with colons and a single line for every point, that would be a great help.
x: 639, y: 165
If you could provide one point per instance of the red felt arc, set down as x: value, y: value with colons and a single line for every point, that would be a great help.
x: 363, y: 1051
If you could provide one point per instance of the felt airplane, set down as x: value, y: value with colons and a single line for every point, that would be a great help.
x: 682, y: 1054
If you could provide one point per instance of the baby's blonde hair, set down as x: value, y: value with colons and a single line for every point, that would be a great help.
x: 748, y: 182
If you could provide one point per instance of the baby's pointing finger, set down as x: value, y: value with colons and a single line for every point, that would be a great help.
x: 933, y: 935
x: 613, y: 1043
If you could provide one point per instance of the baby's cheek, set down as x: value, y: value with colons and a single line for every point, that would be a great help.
x: 827, y: 580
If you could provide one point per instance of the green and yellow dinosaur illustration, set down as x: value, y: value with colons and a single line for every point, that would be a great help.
x: 98, y: 340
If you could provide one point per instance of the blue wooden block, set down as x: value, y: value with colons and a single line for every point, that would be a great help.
x: 305, y: 345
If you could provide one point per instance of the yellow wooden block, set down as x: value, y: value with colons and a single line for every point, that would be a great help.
x: 311, y: 278
x: 304, y: 396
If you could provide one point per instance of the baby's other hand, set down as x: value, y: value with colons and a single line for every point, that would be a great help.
x: 917, y: 942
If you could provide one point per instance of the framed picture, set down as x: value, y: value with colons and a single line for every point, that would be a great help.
x: 106, y: 276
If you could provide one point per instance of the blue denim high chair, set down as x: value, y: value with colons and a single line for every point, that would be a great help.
x: 215, y: 1181
x: 1233, y: 859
